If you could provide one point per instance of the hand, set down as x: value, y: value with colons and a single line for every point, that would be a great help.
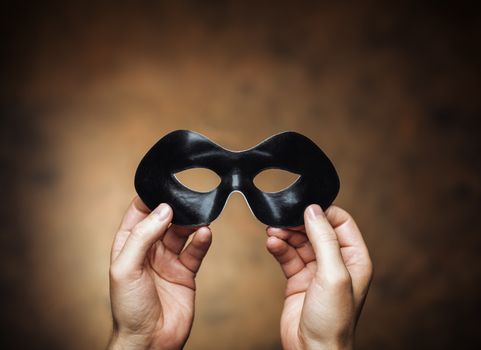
x: 152, y: 280
x: 328, y: 275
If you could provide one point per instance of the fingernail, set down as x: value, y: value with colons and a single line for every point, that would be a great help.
x: 314, y: 211
x: 162, y: 211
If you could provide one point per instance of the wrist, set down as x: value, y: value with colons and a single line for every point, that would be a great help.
x: 326, y: 344
x: 127, y: 342
x: 337, y: 340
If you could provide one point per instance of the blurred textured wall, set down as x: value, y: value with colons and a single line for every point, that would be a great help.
x: 390, y: 91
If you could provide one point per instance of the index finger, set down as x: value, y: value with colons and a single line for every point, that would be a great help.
x: 353, y: 248
x: 348, y: 234
x: 324, y: 242
x: 136, y: 212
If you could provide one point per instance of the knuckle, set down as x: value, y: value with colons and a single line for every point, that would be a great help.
x: 370, y: 267
x: 369, y: 271
x: 117, y: 272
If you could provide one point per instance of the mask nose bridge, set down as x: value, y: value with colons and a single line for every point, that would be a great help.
x: 236, y: 174
x: 236, y: 180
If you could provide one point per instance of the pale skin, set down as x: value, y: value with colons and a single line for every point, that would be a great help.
x: 152, y: 279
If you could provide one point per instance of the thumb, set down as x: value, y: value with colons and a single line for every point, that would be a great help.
x: 143, y: 236
x: 324, y: 242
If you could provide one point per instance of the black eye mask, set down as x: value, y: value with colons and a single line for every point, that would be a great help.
x: 182, y: 149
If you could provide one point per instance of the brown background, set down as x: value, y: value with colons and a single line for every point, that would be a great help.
x: 390, y: 92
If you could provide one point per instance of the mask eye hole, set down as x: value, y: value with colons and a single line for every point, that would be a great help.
x: 274, y: 180
x: 198, y: 179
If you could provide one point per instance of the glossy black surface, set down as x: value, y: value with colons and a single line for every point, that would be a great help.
x: 182, y: 149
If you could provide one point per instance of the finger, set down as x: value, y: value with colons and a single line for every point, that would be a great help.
x: 296, y: 239
x: 324, y: 241
x: 299, y: 228
x: 353, y: 248
x: 287, y: 257
x: 176, y: 236
x: 143, y: 236
x: 196, y: 250
x: 136, y: 212
x: 347, y: 231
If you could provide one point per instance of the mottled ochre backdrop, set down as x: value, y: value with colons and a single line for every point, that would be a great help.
x: 390, y: 92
